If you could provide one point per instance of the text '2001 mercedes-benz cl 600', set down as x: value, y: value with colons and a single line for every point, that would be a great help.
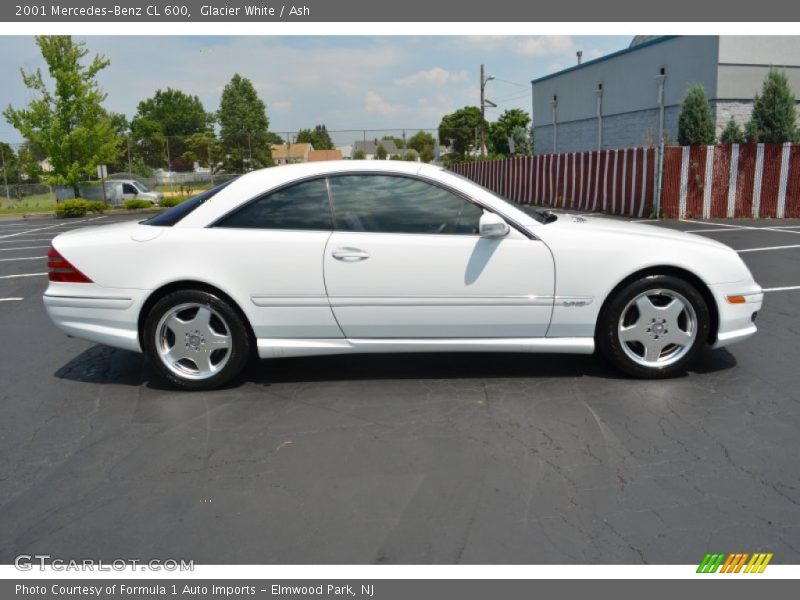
x: 379, y: 256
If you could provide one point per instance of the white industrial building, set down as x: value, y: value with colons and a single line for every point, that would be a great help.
x: 623, y: 99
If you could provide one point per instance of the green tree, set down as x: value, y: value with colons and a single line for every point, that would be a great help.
x: 243, y: 127
x: 380, y: 152
x: 507, y: 126
x: 317, y: 137
x: 774, y: 118
x: 274, y: 139
x: 695, y: 123
x: 206, y: 150
x: 426, y: 155
x: 732, y: 134
x: 164, y: 121
x: 68, y: 124
x: 522, y: 141
x: 460, y: 130
x: 419, y: 140
x: 10, y: 169
x: 359, y: 155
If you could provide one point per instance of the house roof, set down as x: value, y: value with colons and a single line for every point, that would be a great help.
x: 371, y: 147
x: 298, y: 150
x: 317, y: 155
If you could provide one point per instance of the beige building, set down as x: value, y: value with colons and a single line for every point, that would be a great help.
x: 287, y: 154
x: 320, y: 155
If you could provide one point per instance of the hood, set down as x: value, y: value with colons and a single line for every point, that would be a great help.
x: 620, y: 227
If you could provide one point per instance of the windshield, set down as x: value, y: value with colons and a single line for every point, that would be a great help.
x: 543, y: 216
x: 140, y: 186
x: 178, y: 212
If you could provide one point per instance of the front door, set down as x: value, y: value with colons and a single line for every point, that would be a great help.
x: 405, y: 261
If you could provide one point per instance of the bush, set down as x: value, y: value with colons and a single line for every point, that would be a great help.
x: 72, y: 208
x: 98, y: 206
x: 172, y: 201
x: 732, y: 134
x: 136, y: 204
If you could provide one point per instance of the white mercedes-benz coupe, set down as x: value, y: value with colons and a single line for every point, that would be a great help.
x: 380, y: 256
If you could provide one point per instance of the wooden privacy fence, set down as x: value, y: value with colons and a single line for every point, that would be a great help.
x: 736, y: 180
x: 620, y: 182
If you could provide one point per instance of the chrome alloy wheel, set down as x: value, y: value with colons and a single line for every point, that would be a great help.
x: 657, y: 328
x: 193, y: 341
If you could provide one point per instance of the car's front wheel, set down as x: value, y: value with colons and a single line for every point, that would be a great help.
x: 654, y: 327
x: 195, y: 340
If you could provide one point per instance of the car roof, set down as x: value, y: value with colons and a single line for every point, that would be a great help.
x: 256, y: 183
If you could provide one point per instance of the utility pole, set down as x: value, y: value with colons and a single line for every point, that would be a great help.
x: 660, y: 80
x: 484, y: 104
x: 599, y: 92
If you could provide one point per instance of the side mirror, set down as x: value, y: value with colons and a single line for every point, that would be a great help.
x: 492, y: 226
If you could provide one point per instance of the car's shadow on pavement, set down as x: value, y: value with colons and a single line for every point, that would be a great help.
x: 109, y: 366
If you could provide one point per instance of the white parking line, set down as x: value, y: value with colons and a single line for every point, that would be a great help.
x: 8, y: 235
x: 713, y: 230
x: 10, y: 299
x: 22, y: 248
x: 26, y: 240
x: 777, y: 229
x: 23, y: 258
x: 768, y: 248
x: 22, y: 275
x: 717, y: 224
x: 782, y: 289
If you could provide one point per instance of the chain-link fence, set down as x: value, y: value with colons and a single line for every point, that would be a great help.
x: 185, y: 165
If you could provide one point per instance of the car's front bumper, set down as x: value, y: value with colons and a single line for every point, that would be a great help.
x: 736, y: 319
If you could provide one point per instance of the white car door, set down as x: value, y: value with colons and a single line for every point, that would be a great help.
x: 271, y: 250
x: 406, y: 261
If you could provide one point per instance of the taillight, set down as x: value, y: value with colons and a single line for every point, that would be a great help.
x: 60, y: 269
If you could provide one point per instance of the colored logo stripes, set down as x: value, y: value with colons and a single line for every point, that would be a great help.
x: 735, y: 562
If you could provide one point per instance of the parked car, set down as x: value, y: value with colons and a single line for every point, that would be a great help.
x: 379, y: 256
x: 130, y: 189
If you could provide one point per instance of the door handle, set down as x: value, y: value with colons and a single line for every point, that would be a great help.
x: 349, y: 254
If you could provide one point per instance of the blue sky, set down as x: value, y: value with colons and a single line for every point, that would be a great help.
x: 346, y: 82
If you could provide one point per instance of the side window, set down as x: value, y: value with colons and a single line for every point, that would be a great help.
x: 127, y: 188
x: 301, y: 206
x: 392, y: 204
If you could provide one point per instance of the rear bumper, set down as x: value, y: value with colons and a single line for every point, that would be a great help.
x: 94, y: 313
x: 736, y: 321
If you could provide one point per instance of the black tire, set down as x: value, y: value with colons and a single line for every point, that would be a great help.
x: 607, y: 337
x: 225, y: 319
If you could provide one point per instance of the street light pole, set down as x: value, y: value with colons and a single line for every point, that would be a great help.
x: 484, y: 104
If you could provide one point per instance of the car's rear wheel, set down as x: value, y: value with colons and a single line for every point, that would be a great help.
x: 195, y: 340
x: 654, y: 327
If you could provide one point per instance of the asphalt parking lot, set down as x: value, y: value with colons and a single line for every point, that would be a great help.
x: 401, y: 458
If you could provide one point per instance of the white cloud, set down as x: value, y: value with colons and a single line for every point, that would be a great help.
x: 544, y: 45
x: 592, y: 54
x: 280, y: 105
x: 375, y: 104
x: 435, y: 76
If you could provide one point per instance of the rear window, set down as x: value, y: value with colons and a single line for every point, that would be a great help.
x: 169, y: 217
